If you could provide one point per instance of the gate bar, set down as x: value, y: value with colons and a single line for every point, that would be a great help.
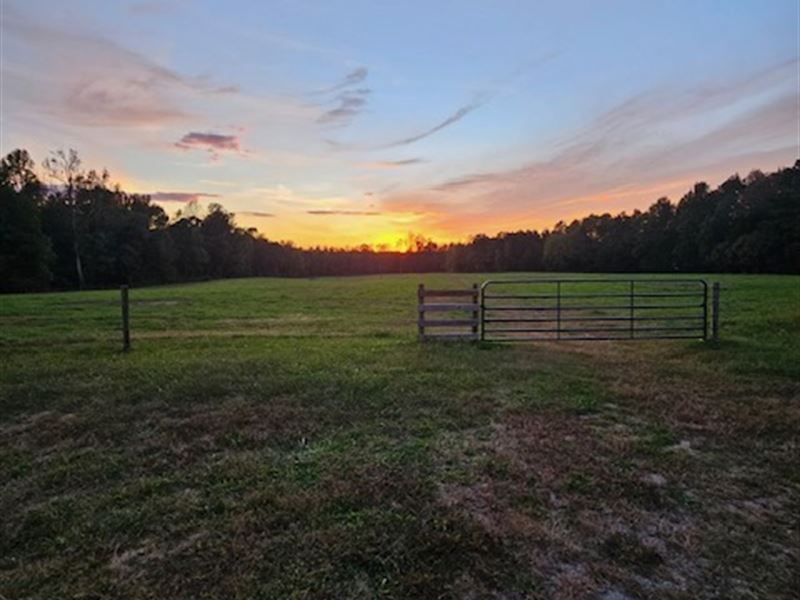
x: 612, y: 295
x: 564, y: 319
x: 597, y: 307
x: 593, y: 329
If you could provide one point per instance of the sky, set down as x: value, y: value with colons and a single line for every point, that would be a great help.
x: 342, y: 123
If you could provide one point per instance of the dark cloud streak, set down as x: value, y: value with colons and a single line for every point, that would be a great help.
x: 352, y: 213
x: 209, y: 141
x: 256, y: 213
x: 183, y: 197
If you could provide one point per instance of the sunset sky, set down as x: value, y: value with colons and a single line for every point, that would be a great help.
x: 338, y: 123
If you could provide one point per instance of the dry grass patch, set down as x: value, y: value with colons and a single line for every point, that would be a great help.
x: 586, y: 516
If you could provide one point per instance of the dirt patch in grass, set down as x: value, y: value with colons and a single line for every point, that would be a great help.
x: 585, y: 516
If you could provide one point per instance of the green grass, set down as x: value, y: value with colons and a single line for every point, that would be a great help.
x: 291, y: 438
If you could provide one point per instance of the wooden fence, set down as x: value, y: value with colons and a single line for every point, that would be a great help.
x: 449, y: 321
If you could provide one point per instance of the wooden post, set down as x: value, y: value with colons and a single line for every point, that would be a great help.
x: 632, y: 310
x: 475, y: 312
x: 715, y: 312
x: 705, y: 311
x: 126, y: 330
x: 558, y: 310
x: 420, y: 311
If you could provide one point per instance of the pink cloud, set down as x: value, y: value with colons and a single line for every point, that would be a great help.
x: 85, y: 79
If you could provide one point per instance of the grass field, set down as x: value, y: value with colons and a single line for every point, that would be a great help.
x: 291, y: 438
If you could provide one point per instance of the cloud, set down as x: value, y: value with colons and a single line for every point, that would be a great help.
x: 354, y: 213
x: 479, y: 100
x: 454, y: 118
x: 459, y: 114
x: 763, y: 126
x: 393, y: 164
x: 628, y: 141
x: 654, y: 143
x: 184, y: 197
x: 125, y: 102
x: 256, y: 213
x: 352, y: 78
x: 349, y: 104
x: 464, y: 181
x: 214, y: 143
x: 85, y: 79
x: 404, y: 162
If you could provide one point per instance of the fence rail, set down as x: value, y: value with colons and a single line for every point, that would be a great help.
x: 448, y: 328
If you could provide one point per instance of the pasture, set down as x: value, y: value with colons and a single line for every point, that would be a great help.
x: 291, y: 438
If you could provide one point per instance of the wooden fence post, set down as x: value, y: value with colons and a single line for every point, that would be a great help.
x: 715, y: 312
x: 126, y: 330
x: 420, y: 311
x: 475, y: 312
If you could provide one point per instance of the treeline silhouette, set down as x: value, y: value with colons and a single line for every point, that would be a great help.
x: 80, y: 231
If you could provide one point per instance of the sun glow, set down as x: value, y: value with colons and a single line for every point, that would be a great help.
x: 393, y: 241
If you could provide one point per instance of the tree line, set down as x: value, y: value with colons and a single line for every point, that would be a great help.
x: 78, y: 230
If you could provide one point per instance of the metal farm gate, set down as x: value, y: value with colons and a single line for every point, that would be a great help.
x: 594, y: 309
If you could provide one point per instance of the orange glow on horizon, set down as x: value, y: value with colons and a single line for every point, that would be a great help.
x: 410, y: 222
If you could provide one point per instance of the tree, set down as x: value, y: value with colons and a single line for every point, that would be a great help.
x: 25, y: 253
x: 65, y: 168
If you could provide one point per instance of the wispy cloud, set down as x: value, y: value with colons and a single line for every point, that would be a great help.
x: 654, y: 143
x: 256, y: 213
x: 456, y: 116
x: 352, y: 213
x: 464, y: 181
x: 392, y: 164
x: 181, y: 196
x: 707, y: 123
x: 354, y: 77
x: 479, y: 100
x: 90, y: 80
x: 348, y: 104
x: 453, y: 118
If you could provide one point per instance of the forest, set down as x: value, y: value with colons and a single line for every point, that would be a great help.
x: 74, y: 229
